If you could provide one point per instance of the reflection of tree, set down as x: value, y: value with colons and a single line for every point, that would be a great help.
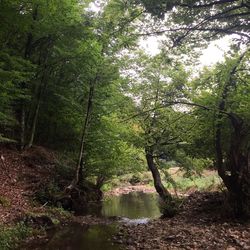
x: 81, y: 237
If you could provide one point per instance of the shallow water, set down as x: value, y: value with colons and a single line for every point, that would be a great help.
x: 134, y: 205
x: 78, y: 237
x: 132, y: 208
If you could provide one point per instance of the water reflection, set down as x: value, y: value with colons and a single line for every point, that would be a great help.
x: 134, y: 205
x: 78, y: 237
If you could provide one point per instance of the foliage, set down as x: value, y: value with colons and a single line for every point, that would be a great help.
x: 11, y: 236
x: 188, y: 20
x: 199, y: 183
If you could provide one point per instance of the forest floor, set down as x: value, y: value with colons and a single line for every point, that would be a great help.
x: 200, y: 224
x: 21, y: 175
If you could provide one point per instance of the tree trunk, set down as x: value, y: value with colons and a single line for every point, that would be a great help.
x: 237, y: 164
x: 161, y: 190
x: 79, y: 168
x: 99, y: 182
x: 27, y: 54
x: 34, y: 122
x: 22, y: 127
x: 42, y: 87
x: 233, y: 166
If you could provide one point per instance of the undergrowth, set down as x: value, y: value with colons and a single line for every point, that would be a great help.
x: 11, y: 236
x: 177, y: 182
x: 199, y: 183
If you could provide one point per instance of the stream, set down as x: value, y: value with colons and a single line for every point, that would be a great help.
x: 131, y: 208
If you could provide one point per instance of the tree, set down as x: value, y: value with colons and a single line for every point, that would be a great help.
x: 154, y: 79
x: 109, y: 41
x: 221, y: 90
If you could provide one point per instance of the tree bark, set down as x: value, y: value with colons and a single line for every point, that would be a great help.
x: 27, y: 54
x: 79, y: 167
x: 42, y: 87
x: 161, y: 190
x: 238, y: 165
x: 22, y: 126
x: 233, y: 165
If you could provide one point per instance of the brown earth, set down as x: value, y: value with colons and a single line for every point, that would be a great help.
x: 21, y: 175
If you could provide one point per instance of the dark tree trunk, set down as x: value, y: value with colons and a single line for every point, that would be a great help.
x: 237, y: 164
x: 27, y: 54
x: 161, y: 190
x: 233, y: 166
x: 41, y: 89
x: 22, y: 126
x: 100, y: 181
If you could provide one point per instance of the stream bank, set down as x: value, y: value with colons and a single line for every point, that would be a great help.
x: 202, y: 223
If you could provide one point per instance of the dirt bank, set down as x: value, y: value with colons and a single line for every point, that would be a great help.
x: 21, y: 174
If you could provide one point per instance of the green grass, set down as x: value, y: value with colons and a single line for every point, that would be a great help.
x: 207, y: 181
x: 199, y: 183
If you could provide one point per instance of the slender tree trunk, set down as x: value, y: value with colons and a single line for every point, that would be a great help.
x: 27, y: 53
x: 149, y: 151
x: 43, y: 60
x: 34, y: 122
x: 42, y: 87
x: 22, y: 126
x: 80, y: 163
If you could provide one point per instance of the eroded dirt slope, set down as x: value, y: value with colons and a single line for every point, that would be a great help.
x: 21, y: 174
